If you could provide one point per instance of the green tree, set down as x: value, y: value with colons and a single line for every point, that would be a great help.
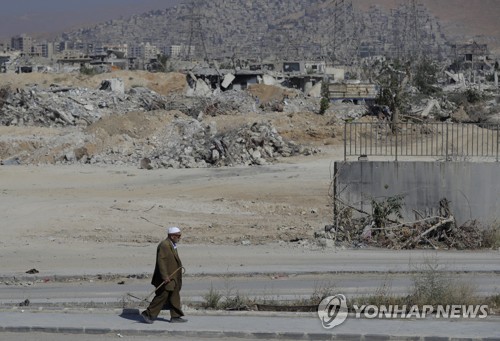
x: 426, y: 76
x: 382, y: 210
x: 392, y: 79
x: 89, y: 71
x: 325, y: 97
x: 324, y: 105
x: 163, y: 61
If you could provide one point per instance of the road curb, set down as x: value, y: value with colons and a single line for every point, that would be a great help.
x: 240, y: 326
x: 235, y: 334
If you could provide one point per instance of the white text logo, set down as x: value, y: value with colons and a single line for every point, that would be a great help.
x: 332, y: 311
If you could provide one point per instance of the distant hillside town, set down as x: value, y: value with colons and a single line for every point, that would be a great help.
x: 241, y: 33
x: 232, y: 44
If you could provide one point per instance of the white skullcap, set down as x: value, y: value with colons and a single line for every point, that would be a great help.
x: 174, y: 229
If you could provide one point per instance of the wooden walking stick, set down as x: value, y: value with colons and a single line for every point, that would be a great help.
x: 159, y: 286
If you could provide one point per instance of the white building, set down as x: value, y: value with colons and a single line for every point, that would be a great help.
x: 144, y: 51
x: 178, y: 51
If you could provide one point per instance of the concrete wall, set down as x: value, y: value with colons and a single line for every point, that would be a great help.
x: 472, y: 188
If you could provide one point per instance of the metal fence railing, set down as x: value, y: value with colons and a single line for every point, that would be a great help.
x: 448, y: 140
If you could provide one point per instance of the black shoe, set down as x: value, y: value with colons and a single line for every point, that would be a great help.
x: 178, y: 320
x: 146, y: 318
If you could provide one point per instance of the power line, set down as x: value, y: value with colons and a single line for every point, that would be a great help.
x: 196, y: 33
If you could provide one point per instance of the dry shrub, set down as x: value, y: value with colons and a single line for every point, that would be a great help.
x: 434, y: 286
x: 491, y: 237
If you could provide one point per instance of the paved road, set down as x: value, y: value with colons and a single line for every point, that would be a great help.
x: 254, y: 259
x: 264, y: 271
x: 42, y: 336
x: 281, y: 270
x: 271, y: 287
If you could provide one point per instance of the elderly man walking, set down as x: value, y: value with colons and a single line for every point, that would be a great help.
x: 167, y: 278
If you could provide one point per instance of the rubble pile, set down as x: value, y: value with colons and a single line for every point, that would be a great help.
x: 258, y: 144
x: 348, y: 111
x: 231, y: 102
x: 35, y: 149
x: 140, y: 127
x: 437, y: 232
x: 64, y: 106
x: 189, y: 143
x: 300, y: 104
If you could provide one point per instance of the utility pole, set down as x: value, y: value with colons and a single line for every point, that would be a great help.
x: 339, y: 29
x: 196, y: 39
x: 408, y: 29
x: 416, y: 48
x: 346, y: 32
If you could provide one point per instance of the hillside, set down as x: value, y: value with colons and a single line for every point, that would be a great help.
x: 296, y: 29
x: 461, y: 19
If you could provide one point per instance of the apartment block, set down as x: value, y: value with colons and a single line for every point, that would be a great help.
x: 144, y: 51
x: 23, y: 43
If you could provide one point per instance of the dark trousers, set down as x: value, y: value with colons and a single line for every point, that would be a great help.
x: 162, y: 298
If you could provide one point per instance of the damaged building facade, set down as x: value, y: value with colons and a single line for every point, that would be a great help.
x: 301, y: 58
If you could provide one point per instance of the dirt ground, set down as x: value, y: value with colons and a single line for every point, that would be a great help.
x: 99, y: 217
x: 125, y: 204
x: 84, y: 217
x: 162, y: 83
x: 47, y: 207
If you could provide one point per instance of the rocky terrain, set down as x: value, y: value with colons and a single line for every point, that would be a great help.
x: 54, y: 119
x: 154, y: 120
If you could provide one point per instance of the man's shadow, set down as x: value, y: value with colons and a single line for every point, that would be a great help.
x: 134, y: 314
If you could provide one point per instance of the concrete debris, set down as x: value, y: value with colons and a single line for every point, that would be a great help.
x: 270, y: 80
x: 188, y: 143
x: 430, y: 105
x: 456, y: 78
x: 191, y: 144
x: 231, y: 102
x: 148, y: 130
x: 202, y: 89
x: 58, y: 106
x: 315, y: 91
x: 228, y: 79
x: 115, y: 85
x: 440, y: 109
x: 348, y: 111
x: 10, y: 162
x: 109, y: 126
x: 145, y: 164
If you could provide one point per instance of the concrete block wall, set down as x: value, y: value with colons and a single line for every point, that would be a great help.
x: 473, y: 189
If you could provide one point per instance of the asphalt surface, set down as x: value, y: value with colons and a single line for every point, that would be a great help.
x: 282, y: 287
x: 289, y: 271
x: 244, y: 325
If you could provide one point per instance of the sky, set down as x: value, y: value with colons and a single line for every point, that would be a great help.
x: 42, y: 17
